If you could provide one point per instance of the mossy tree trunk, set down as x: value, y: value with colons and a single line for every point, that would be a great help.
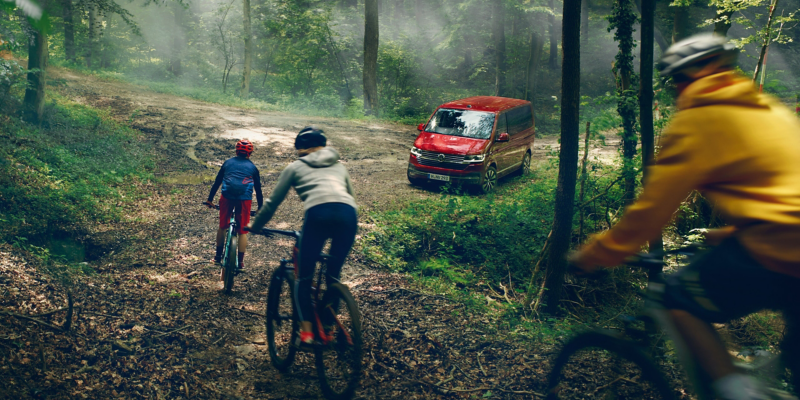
x: 33, y: 104
x: 622, y: 20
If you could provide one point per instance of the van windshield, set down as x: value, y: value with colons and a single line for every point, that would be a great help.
x: 472, y: 124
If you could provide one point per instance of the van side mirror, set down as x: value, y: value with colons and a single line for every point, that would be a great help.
x: 421, y: 127
x: 503, y: 137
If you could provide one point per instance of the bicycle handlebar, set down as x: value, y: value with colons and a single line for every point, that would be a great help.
x: 216, y: 207
x: 646, y: 261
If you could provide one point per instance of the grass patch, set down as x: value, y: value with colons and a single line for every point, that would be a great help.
x: 467, y: 238
x: 77, y: 168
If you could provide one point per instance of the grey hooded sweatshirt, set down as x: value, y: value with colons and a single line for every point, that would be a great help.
x: 317, y: 178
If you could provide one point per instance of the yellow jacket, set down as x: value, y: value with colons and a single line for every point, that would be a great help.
x: 741, y: 149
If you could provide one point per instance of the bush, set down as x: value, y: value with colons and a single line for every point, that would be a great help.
x: 464, y: 238
x: 77, y: 168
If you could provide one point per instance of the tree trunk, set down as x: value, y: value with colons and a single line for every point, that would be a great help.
x: 93, y: 39
x: 568, y: 156
x: 721, y: 27
x: 626, y: 108
x: 659, y: 37
x: 69, y: 31
x: 534, y: 56
x: 646, y: 102
x: 33, y: 105
x: 371, y: 57
x: 177, y: 41
x: 680, y: 24
x: 553, y: 62
x: 766, y: 41
x: 499, y: 39
x: 584, y: 23
x: 248, y: 49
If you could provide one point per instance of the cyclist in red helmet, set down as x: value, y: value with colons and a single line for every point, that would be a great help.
x: 239, y: 178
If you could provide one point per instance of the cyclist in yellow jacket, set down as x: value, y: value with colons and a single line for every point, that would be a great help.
x: 741, y: 149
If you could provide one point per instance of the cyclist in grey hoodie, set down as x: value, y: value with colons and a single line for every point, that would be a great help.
x: 323, y: 184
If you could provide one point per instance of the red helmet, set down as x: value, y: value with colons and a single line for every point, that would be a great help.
x: 245, y: 147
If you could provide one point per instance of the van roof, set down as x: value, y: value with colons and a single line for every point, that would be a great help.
x: 485, y: 103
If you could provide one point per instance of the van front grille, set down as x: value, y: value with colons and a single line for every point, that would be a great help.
x: 449, y: 161
x: 433, y: 156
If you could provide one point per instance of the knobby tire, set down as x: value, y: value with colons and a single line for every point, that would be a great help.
x: 339, y: 364
x: 583, y: 378
x: 229, y: 268
x: 281, y: 320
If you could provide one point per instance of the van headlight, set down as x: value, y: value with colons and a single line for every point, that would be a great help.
x: 415, y: 151
x: 474, y: 158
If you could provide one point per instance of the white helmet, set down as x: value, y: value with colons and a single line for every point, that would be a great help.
x: 698, y: 56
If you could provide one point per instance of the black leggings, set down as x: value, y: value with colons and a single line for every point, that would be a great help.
x: 335, y: 221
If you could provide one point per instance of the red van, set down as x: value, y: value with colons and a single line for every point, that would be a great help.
x: 474, y: 141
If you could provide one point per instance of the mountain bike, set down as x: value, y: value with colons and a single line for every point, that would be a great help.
x: 336, y: 325
x: 620, y: 364
x: 230, y: 259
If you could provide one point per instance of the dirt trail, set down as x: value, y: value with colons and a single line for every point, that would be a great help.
x: 153, y: 323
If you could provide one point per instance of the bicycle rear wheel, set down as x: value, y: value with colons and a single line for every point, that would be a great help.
x: 597, y: 365
x: 281, y: 320
x: 229, y: 265
x: 339, y: 362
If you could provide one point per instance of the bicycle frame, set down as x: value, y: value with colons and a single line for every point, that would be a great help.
x: 290, y: 266
x: 655, y: 311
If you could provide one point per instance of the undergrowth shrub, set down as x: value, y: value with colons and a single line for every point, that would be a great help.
x: 465, y: 238
x: 78, y: 167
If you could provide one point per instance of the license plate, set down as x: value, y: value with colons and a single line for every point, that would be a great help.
x: 436, y: 177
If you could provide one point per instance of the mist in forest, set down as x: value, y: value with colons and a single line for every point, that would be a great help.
x: 308, y: 55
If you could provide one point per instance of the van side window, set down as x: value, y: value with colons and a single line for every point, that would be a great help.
x: 502, y: 125
x: 519, y: 119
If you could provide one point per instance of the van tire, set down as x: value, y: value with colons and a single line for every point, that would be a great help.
x: 488, y: 180
x: 525, y: 167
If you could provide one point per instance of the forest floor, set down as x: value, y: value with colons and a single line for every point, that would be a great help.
x: 151, y: 322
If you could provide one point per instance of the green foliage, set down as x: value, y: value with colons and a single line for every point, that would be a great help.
x: 77, y: 168
x: 58, y: 267
x: 465, y: 238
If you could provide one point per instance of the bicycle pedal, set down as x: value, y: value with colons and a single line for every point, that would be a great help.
x: 305, y: 347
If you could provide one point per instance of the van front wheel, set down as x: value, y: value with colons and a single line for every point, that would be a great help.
x: 489, y: 179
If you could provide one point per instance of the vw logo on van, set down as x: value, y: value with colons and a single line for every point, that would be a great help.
x: 440, y: 158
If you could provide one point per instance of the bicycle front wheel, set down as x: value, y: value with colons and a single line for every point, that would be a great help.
x: 595, y: 365
x: 281, y: 318
x: 339, y: 362
x: 229, y: 266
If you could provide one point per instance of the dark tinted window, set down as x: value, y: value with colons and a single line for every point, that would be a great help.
x: 502, y: 125
x: 519, y: 119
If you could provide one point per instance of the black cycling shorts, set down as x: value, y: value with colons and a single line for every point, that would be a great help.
x: 725, y: 283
